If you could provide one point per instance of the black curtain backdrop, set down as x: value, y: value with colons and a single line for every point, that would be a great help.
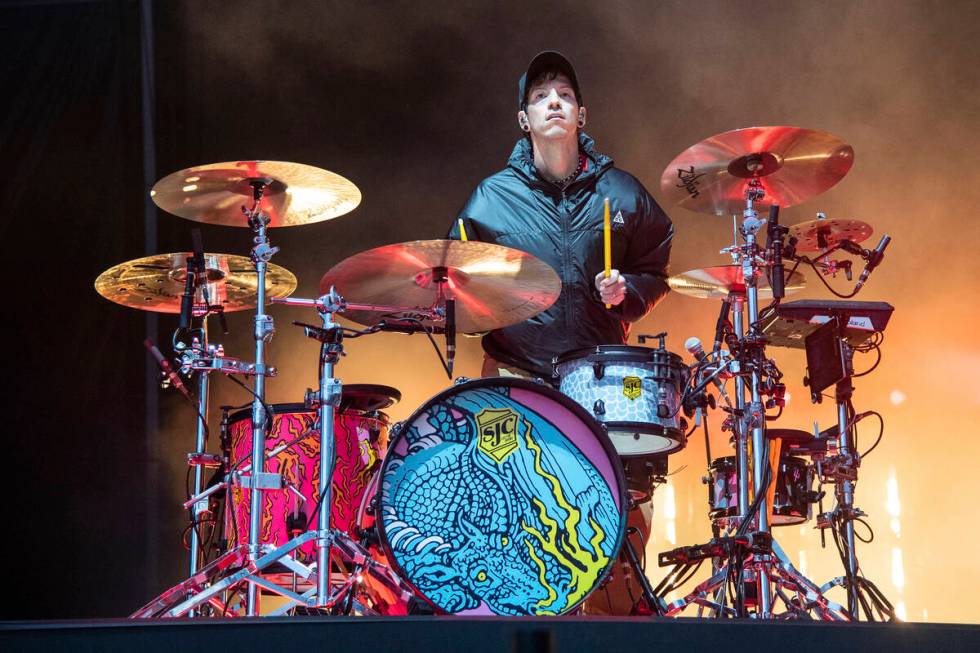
x: 74, y: 396
x: 413, y: 102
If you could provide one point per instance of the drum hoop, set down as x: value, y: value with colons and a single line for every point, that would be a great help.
x: 524, y: 384
x: 670, y: 433
x: 620, y: 354
x: 286, y: 409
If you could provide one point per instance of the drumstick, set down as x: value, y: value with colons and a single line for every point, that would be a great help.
x: 462, y: 230
x: 607, y: 242
x: 775, y: 449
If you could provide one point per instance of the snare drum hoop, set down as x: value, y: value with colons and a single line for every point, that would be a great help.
x: 619, y: 492
x: 619, y: 354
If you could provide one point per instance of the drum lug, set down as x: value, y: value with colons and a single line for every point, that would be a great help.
x: 396, y: 428
x: 599, y: 407
x: 599, y: 370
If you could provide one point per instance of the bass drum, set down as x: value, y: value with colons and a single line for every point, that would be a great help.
x: 500, y: 496
x: 361, y: 436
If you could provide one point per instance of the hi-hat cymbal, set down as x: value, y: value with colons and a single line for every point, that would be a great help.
x: 156, y: 283
x: 294, y: 193
x: 720, y: 281
x: 818, y: 235
x: 494, y: 286
x: 791, y: 164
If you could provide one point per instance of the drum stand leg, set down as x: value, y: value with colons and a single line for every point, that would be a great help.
x: 653, y: 602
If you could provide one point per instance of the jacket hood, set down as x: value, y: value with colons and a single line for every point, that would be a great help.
x: 522, y: 158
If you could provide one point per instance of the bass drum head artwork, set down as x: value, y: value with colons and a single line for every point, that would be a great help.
x: 502, y: 497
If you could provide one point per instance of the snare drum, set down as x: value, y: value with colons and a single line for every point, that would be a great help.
x: 501, y: 496
x: 635, y: 391
x: 361, y: 435
x: 792, y: 501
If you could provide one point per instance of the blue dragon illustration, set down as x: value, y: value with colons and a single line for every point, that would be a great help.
x: 528, y: 535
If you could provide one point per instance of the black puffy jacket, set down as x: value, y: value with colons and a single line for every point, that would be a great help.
x: 517, y: 208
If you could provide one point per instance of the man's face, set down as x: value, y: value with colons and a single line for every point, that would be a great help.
x: 552, y: 111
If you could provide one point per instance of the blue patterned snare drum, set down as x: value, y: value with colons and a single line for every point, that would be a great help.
x: 501, y: 496
x: 635, y: 391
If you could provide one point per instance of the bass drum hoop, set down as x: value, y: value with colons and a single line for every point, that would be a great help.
x: 620, y: 492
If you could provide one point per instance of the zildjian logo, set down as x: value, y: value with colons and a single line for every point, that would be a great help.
x: 689, y: 181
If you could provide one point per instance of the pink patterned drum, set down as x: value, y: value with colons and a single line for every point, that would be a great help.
x: 361, y: 434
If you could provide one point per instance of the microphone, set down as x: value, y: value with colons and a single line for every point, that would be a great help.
x: 874, y: 258
x: 851, y: 247
x: 778, y: 281
x: 726, y: 305
x: 195, y: 270
x: 693, y: 346
x: 167, y: 370
x: 450, y: 335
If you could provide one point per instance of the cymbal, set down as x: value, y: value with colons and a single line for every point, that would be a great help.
x: 718, y: 282
x: 294, y: 194
x: 494, y: 286
x: 811, y: 234
x: 791, y: 163
x: 156, y: 283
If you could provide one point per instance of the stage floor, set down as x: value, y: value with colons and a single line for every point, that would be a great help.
x: 476, y: 635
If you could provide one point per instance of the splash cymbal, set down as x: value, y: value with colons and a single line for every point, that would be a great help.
x: 818, y: 235
x: 791, y: 164
x: 156, y: 283
x: 294, y: 194
x: 720, y: 281
x: 494, y: 286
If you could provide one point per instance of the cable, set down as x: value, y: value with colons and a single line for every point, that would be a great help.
x: 881, y: 432
x: 871, y: 369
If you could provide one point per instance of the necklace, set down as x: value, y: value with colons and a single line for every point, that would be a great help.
x: 575, y: 173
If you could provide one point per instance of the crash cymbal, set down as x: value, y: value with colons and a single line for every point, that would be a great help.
x: 818, y: 235
x: 156, y: 283
x: 494, y: 286
x: 294, y: 194
x: 718, y: 282
x: 792, y: 165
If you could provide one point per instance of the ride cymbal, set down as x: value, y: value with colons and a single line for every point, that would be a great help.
x: 818, y: 235
x: 791, y: 164
x: 156, y: 283
x: 494, y: 286
x: 720, y: 281
x: 293, y: 193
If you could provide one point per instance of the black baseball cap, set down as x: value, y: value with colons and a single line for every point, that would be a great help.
x: 546, y: 61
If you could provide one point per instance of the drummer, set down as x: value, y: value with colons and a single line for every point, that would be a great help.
x: 549, y: 202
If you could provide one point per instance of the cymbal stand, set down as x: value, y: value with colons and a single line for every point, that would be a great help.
x: 753, y: 415
x: 259, y: 480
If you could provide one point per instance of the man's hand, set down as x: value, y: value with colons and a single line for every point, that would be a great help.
x: 612, y: 289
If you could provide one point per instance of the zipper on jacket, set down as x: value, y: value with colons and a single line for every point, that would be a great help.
x: 566, y: 263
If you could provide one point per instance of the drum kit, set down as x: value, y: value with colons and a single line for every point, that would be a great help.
x: 509, y: 496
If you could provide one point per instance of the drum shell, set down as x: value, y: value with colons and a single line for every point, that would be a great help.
x: 459, y: 511
x: 791, y: 501
x: 361, y: 439
x: 629, y: 389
